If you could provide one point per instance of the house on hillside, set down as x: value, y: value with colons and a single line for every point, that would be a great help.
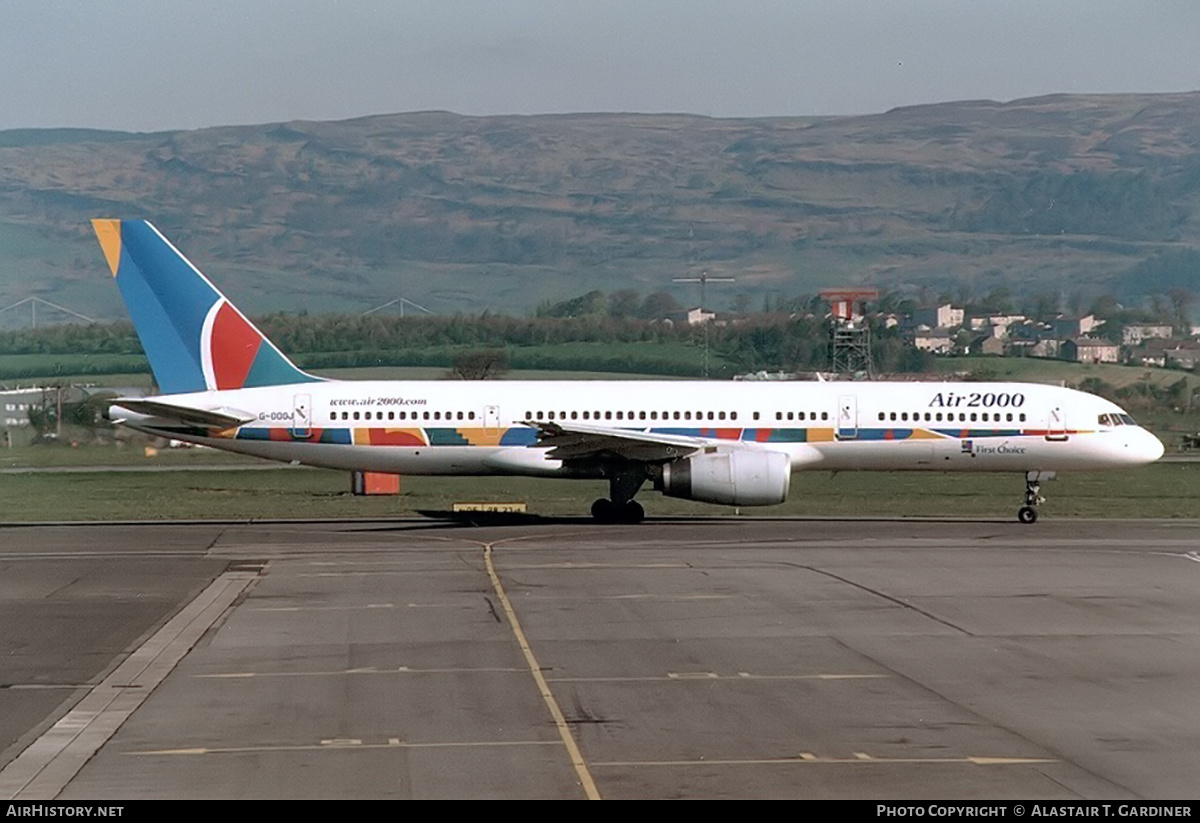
x: 1029, y: 338
x: 1070, y: 327
x: 987, y: 344
x: 1183, y: 356
x: 1134, y: 334
x: 1091, y: 350
x: 996, y: 325
x: 944, y: 316
x: 1150, y: 353
x: 692, y: 317
x: 935, y: 341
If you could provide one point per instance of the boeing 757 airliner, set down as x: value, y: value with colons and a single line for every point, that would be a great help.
x: 223, y: 384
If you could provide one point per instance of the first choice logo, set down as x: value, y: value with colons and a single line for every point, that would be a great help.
x: 977, y: 400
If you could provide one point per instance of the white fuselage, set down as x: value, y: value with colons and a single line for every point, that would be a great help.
x: 479, y: 428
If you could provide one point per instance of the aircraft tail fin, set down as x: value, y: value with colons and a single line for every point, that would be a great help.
x: 195, y: 338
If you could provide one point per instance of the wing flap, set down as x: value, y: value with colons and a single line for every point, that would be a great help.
x: 582, y: 442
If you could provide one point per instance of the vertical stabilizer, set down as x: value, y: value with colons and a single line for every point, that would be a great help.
x: 195, y: 338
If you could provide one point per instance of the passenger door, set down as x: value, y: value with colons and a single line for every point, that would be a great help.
x: 302, y: 416
x: 1056, y: 425
x: 491, y: 419
x: 847, y: 417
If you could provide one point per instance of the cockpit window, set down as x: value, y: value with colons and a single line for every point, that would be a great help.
x: 1117, y: 420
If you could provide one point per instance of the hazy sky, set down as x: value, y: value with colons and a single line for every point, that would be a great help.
x: 166, y: 64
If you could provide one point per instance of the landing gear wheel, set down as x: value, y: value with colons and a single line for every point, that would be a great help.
x: 1033, y: 495
x: 603, y: 511
x: 620, y: 507
x: 606, y: 511
x: 632, y: 512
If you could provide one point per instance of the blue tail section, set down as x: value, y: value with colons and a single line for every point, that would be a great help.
x: 195, y: 338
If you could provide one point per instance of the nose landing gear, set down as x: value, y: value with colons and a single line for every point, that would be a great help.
x: 1033, y: 497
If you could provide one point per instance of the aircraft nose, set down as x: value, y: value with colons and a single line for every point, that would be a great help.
x: 1143, y: 447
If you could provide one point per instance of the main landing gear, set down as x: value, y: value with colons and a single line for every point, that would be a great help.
x: 1033, y: 495
x: 619, y: 506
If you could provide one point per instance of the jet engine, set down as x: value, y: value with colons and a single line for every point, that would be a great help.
x: 740, y: 477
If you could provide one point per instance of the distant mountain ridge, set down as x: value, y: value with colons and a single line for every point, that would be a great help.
x: 1061, y: 195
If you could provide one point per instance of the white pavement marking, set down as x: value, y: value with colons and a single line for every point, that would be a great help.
x: 52, y: 761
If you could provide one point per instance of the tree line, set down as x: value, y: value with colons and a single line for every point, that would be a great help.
x: 783, y: 340
x: 788, y: 334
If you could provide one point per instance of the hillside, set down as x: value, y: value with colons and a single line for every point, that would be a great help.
x: 1061, y: 195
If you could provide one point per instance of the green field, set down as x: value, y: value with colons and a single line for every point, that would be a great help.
x: 559, y: 361
x: 1167, y: 489
x: 1038, y: 370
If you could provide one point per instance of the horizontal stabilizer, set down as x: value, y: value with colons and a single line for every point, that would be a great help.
x: 219, y: 419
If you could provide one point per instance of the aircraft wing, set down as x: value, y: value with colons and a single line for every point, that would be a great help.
x: 219, y: 419
x: 575, y: 442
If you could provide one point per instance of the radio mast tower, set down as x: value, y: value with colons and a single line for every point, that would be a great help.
x: 704, y: 280
x: 849, y: 333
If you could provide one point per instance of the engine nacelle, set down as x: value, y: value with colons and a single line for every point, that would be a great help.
x: 739, y: 477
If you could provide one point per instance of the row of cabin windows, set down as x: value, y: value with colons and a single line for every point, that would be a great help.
x: 575, y: 415
x: 623, y: 415
x: 666, y: 415
x: 395, y: 415
x: 797, y: 416
x: 929, y: 417
x: 963, y: 417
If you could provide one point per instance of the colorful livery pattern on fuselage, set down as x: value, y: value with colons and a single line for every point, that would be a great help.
x: 1055, y: 429
x: 225, y: 385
